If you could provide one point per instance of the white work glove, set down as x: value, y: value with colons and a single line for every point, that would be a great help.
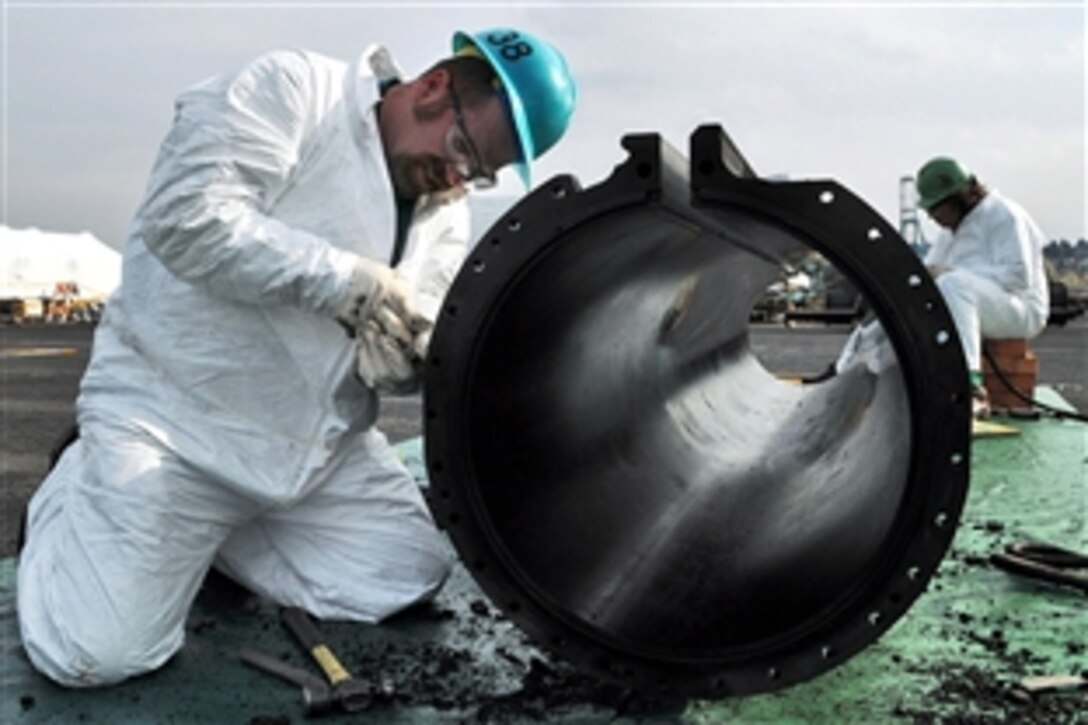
x: 389, y: 356
x: 381, y: 318
x: 373, y: 286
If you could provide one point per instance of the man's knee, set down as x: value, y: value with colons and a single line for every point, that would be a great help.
x: 958, y: 284
x: 77, y: 665
x: 76, y: 647
x: 430, y: 576
x: 69, y: 618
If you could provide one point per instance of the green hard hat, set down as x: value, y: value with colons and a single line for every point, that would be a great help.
x: 538, y: 86
x: 939, y: 179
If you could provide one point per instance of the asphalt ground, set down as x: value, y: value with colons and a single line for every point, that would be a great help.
x: 40, y: 367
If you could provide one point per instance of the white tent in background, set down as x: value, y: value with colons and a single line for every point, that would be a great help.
x: 33, y: 262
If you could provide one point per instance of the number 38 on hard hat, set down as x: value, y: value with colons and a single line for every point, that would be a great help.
x: 536, y: 82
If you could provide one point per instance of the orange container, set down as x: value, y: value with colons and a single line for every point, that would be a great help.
x: 1019, y: 365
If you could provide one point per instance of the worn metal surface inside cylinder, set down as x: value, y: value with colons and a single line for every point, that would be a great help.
x: 631, y: 484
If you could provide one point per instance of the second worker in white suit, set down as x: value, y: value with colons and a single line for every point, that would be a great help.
x: 987, y: 262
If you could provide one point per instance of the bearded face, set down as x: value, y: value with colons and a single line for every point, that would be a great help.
x: 416, y: 174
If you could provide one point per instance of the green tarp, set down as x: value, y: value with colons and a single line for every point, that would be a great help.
x: 954, y: 656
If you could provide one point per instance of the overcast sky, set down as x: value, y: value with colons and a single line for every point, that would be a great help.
x: 860, y: 92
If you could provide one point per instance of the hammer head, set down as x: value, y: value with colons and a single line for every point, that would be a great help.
x: 353, y: 695
x: 318, y: 699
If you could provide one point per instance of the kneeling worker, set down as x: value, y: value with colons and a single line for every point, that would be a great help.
x: 225, y: 417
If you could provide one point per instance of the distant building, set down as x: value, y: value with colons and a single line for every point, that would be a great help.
x: 54, y: 276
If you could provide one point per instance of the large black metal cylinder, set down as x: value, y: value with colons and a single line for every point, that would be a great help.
x: 623, y: 476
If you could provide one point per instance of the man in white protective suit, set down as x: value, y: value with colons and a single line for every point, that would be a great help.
x: 302, y: 223
x: 987, y: 263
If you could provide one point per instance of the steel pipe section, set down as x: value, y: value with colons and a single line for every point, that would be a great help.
x: 629, y: 483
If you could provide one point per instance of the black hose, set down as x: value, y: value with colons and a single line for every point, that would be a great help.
x: 1044, y: 561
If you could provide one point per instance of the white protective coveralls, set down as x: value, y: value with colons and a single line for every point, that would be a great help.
x: 220, y: 419
x: 993, y: 282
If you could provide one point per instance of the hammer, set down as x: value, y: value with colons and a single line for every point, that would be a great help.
x: 316, y: 695
x: 350, y: 694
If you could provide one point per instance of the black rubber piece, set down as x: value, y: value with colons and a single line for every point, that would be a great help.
x: 628, y: 483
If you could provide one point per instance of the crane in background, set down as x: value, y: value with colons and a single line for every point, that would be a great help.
x: 910, y: 226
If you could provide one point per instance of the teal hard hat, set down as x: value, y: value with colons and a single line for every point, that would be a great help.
x: 939, y: 179
x: 536, y: 82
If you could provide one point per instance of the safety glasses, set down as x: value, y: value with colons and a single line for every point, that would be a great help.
x: 463, y: 153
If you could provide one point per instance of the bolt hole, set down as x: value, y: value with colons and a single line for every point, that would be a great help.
x: 496, y: 242
x: 773, y: 673
x: 957, y: 459
x: 874, y: 618
x: 914, y: 573
x: 914, y: 281
x: 478, y: 265
x: 874, y: 234
x: 827, y: 651
x: 558, y: 192
x: 940, y: 519
x: 514, y: 225
x: 930, y: 306
x: 451, y: 310
x: 943, y: 337
x: 826, y: 197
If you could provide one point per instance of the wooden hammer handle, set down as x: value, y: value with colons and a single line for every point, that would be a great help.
x: 298, y: 621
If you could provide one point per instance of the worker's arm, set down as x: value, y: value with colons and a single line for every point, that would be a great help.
x: 390, y: 358
x: 230, y: 153
x: 436, y: 249
x: 936, y: 259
